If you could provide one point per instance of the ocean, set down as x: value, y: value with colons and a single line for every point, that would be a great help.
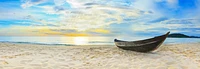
x: 73, y: 41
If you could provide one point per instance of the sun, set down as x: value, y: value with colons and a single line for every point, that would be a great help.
x: 80, y: 40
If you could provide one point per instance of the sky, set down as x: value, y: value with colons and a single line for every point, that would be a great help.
x: 99, y: 17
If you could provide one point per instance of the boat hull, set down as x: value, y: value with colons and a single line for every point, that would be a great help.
x: 142, y: 45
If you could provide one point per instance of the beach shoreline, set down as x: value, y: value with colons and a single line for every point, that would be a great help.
x: 33, y: 56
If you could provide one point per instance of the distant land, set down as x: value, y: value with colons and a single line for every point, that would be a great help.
x: 179, y: 35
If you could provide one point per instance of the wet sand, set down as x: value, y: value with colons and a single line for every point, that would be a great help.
x: 30, y: 56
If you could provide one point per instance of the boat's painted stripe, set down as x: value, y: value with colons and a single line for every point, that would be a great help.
x: 133, y: 44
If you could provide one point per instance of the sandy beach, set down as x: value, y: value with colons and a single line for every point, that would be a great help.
x: 30, y: 56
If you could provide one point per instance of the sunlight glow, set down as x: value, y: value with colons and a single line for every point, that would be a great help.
x: 80, y: 40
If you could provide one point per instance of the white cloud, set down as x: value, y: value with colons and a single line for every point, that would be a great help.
x: 13, y: 14
x: 48, y: 9
x: 147, y: 5
x: 29, y: 3
x: 95, y: 17
x: 59, y: 2
x: 81, y: 18
x: 182, y: 23
x: 75, y: 3
x: 173, y: 25
x: 18, y: 31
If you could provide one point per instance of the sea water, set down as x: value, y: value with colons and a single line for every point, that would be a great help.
x: 72, y: 41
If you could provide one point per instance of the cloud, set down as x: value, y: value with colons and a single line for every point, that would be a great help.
x: 146, y: 5
x: 13, y: 15
x: 17, y: 30
x: 90, y: 4
x: 98, y: 15
x: 101, y: 31
x: 76, y: 3
x: 59, y: 2
x: 173, y: 3
x: 29, y: 3
x: 159, y: 20
x: 86, y: 3
x: 173, y: 25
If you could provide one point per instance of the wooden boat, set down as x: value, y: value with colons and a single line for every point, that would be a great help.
x: 146, y: 45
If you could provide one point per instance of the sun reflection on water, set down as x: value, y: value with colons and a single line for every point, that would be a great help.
x: 80, y: 40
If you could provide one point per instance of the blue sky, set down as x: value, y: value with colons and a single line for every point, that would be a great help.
x: 98, y: 17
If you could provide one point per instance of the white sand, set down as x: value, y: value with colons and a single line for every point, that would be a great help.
x: 27, y: 56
